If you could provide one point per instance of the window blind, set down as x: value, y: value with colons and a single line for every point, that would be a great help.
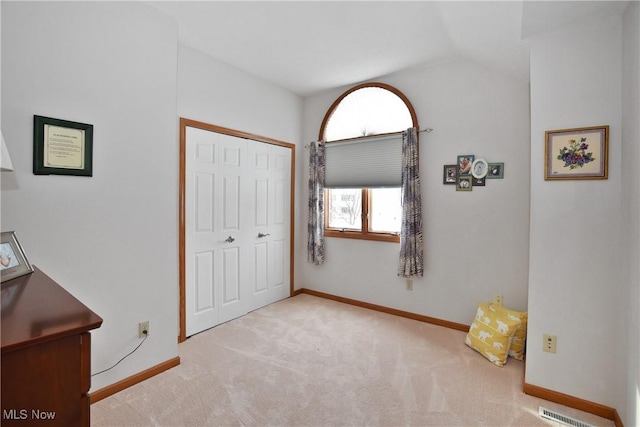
x: 369, y: 162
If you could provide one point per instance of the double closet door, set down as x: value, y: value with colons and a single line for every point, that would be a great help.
x: 237, y: 226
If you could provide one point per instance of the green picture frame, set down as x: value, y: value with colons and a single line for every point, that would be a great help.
x: 495, y: 171
x: 62, y: 147
x: 464, y: 183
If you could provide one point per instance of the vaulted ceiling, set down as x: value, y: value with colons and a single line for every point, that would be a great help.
x: 309, y: 46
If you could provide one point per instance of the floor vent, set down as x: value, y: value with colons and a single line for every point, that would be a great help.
x: 562, y: 419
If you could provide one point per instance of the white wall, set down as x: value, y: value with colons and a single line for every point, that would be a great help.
x: 1, y: 88
x: 0, y: 80
x: 109, y: 239
x: 215, y: 93
x: 575, y: 289
x: 476, y: 243
x: 631, y: 205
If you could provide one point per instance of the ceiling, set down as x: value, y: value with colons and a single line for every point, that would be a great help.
x: 310, y: 46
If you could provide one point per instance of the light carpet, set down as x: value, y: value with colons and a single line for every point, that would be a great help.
x: 309, y: 361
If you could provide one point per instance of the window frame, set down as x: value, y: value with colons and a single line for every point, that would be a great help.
x: 364, y: 233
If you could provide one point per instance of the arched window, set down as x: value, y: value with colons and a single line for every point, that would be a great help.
x: 365, y: 122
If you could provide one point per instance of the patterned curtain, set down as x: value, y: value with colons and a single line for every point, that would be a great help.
x: 411, y: 247
x: 315, y: 243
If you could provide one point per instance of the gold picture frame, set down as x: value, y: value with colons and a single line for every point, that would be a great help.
x: 580, y: 153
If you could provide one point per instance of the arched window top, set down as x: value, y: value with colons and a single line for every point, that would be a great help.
x: 368, y: 109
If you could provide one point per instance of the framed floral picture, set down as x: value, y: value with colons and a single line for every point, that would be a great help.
x: 580, y: 153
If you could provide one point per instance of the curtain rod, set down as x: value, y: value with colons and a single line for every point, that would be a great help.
x: 427, y: 130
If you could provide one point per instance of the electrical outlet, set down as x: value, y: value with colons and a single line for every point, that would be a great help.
x: 549, y: 343
x: 409, y: 284
x: 498, y: 299
x: 143, y: 329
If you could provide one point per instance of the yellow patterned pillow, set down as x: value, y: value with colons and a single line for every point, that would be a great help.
x: 490, y: 334
x: 520, y: 336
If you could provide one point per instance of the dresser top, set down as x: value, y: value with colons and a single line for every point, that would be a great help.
x: 36, y: 309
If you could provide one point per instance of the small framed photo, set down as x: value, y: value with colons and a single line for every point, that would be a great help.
x: 478, y: 182
x: 13, y: 261
x: 61, y: 147
x: 449, y: 174
x: 464, y: 183
x: 576, y: 153
x: 495, y: 171
x: 464, y: 164
x: 479, y: 168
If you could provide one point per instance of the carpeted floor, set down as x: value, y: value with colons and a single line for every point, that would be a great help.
x: 308, y: 361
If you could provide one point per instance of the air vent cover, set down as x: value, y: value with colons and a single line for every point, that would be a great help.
x: 562, y: 419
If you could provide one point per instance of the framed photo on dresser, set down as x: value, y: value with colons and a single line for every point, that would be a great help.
x: 13, y: 261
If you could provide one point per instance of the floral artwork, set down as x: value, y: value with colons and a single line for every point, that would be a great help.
x: 576, y: 155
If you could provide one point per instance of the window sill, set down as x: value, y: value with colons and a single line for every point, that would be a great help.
x: 380, y: 237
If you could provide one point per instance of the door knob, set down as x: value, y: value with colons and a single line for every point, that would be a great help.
x: 229, y: 239
x: 261, y: 235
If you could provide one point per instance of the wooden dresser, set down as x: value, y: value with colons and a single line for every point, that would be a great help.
x: 46, y: 354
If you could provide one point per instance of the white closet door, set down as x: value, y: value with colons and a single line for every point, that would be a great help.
x: 232, y: 240
x: 269, y: 174
x: 213, y: 231
x: 237, y: 227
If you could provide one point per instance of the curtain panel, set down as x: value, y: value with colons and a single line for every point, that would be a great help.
x: 411, y: 245
x: 315, y: 220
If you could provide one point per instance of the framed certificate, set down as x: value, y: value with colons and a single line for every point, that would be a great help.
x: 61, y: 147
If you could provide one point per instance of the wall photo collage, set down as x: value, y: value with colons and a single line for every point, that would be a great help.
x: 469, y: 172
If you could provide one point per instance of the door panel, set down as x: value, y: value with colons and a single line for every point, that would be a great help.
x: 205, y: 290
x: 261, y: 270
x: 201, y: 303
x: 280, y: 202
x: 261, y: 196
x: 231, y: 203
x: 205, y: 195
x: 272, y: 226
x: 231, y: 238
x: 231, y: 277
x: 232, y: 154
x: 277, y: 277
